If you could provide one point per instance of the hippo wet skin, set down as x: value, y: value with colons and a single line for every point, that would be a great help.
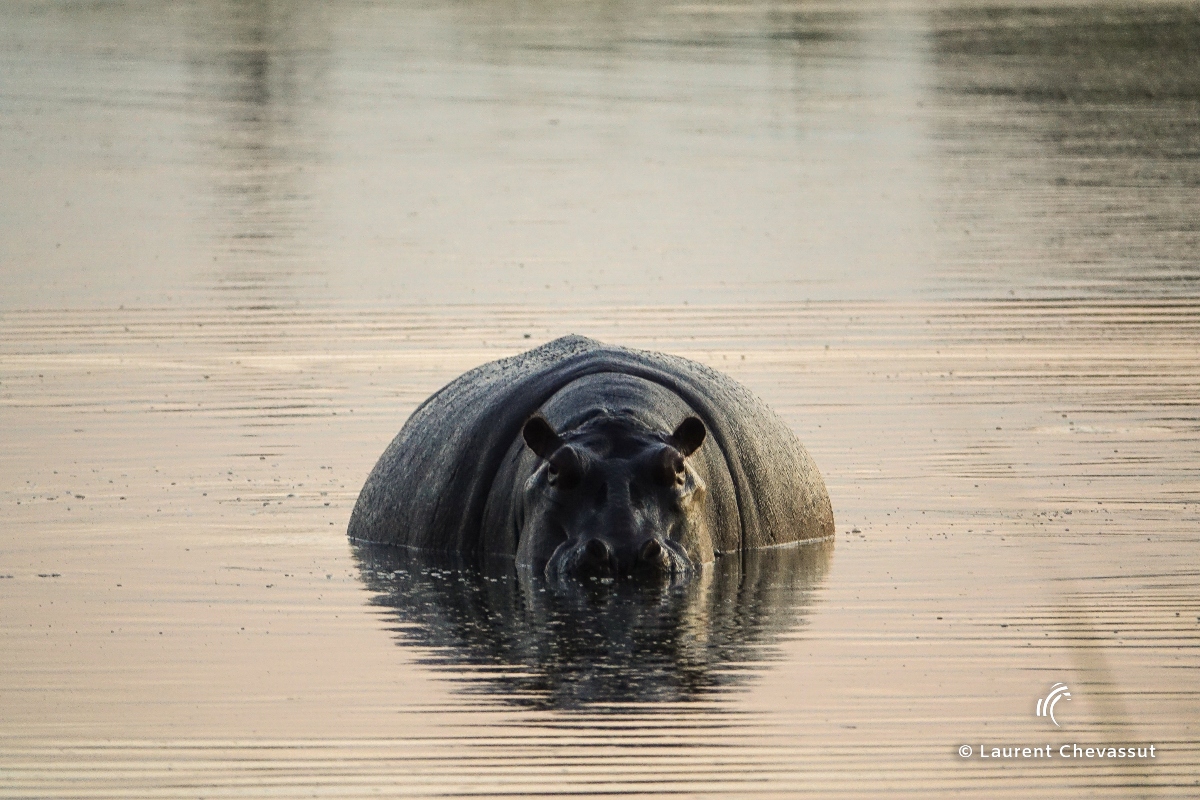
x: 580, y: 459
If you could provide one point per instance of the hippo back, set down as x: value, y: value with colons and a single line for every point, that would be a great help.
x: 431, y: 487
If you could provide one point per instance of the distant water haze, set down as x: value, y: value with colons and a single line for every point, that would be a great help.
x: 359, y: 153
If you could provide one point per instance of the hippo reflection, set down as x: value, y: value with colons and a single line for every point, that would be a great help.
x: 577, y: 644
x: 586, y: 461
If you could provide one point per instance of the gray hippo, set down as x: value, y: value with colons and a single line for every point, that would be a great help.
x: 581, y: 459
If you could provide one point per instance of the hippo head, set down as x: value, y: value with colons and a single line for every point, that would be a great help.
x: 612, y: 499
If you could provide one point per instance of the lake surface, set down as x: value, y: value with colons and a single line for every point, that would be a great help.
x: 953, y: 245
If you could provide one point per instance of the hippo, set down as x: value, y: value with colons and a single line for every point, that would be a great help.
x: 586, y: 461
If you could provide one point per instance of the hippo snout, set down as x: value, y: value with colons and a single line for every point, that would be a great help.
x: 600, y: 559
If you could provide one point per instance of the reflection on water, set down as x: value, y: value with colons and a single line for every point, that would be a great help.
x: 508, y: 635
x: 259, y: 70
x: 262, y: 152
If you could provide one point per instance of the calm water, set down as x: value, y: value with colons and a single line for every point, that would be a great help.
x: 954, y: 245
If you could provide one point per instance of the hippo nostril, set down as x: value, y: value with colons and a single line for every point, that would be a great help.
x: 651, y: 552
x: 596, y: 552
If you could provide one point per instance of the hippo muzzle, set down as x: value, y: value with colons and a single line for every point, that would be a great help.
x: 599, y: 558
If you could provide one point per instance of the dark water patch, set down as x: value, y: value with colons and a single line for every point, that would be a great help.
x: 1079, y: 53
x: 1083, y: 120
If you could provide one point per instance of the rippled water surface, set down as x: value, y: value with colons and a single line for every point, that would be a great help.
x: 953, y: 245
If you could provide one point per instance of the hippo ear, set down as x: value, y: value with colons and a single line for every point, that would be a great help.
x: 540, y: 436
x: 688, y: 437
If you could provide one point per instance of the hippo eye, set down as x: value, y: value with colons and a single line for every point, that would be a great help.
x: 669, y: 469
x: 564, y: 470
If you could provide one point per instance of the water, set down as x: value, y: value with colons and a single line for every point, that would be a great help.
x: 952, y: 245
